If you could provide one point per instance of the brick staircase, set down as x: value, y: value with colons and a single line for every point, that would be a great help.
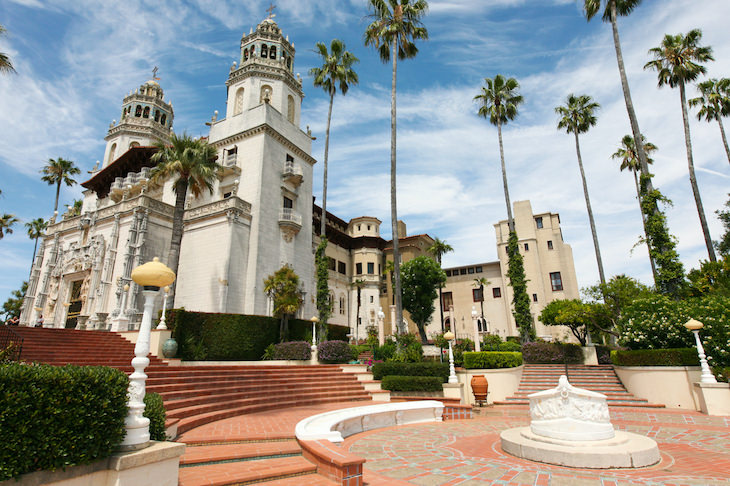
x: 197, y: 395
x: 601, y: 378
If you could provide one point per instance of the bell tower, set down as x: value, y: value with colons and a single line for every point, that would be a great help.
x: 264, y: 74
x: 146, y: 119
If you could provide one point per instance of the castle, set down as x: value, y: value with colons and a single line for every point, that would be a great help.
x: 261, y: 215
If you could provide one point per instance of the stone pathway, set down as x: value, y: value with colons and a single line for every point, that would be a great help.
x: 695, y: 451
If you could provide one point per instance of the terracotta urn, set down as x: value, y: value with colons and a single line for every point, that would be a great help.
x: 169, y: 348
x: 479, y: 387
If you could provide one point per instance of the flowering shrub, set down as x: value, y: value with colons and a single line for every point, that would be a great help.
x: 657, y: 322
x: 293, y: 350
x: 335, y: 352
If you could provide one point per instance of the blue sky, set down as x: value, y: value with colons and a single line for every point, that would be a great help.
x: 76, y: 60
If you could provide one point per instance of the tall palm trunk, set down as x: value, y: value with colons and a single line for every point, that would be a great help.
x: 510, y: 221
x: 724, y: 138
x: 643, y: 223
x: 32, y: 260
x: 55, y: 205
x: 173, y: 256
x: 590, y: 211
x: 692, y: 178
x: 393, y: 208
x: 323, y: 221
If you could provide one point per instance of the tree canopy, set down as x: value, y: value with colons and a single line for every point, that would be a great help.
x: 422, y: 277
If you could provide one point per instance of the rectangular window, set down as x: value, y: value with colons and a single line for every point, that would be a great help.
x: 371, y: 268
x: 538, y: 222
x: 448, y: 273
x: 556, y: 281
x: 550, y: 244
x: 341, y: 268
x: 534, y: 297
x: 332, y: 263
x: 448, y: 301
x: 470, y: 270
x: 479, y: 269
x: 289, y: 158
x: 496, y: 292
x: 527, y: 247
x: 477, y: 295
x: 358, y: 268
x: 227, y: 195
x: 288, y: 203
x: 371, y: 299
x: 462, y: 271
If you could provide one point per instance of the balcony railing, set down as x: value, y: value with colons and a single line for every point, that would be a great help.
x: 288, y: 215
x: 230, y: 159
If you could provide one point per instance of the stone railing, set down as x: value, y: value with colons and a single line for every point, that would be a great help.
x: 231, y: 203
x: 288, y: 215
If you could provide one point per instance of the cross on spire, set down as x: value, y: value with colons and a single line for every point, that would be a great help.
x: 271, y: 11
x: 154, y: 74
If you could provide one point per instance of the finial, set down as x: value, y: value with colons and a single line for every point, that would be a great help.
x: 154, y: 74
x: 271, y: 11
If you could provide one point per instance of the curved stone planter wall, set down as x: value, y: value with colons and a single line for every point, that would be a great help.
x: 671, y: 385
x: 503, y: 383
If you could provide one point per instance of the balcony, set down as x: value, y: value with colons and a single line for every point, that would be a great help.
x: 230, y: 165
x: 292, y: 173
x: 290, y: 222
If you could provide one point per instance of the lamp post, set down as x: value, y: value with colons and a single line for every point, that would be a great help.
x: 449, y: 336
x: 381, y: 326
x: 162, y: 324
x: 314, y: 320
x: 151, y: 276
x: 121, y: 322
x: 695, y: 326
x: 474, y: 317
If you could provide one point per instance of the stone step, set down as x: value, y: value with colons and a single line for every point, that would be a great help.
x: 239, y: 452
x: 611, y: 403
x: 246, y: 472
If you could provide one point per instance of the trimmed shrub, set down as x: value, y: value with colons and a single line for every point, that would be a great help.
x: 392, y: 368
x: 552, y: 353
x: 491, y: 342
x: 229, y: 337
x: 412, y: 383
x: 300, y: 350
x: 334, y: 352
x: 409, y: 349
x: 656, y: 357
x: 492, y: 359
x: 155, y: 411
x: 52, y: 417
x: 512, y: 346
x: 603, y: 354
x: 385, y: 352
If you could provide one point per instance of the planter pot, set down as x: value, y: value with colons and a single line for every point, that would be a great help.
x: 169, y: 348
x: 479, y: 387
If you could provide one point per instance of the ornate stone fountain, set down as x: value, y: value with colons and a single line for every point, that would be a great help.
x: 571, y: 427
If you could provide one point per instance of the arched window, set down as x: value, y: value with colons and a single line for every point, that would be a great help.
x: 133, y: 144
x: 157, y: 115
x: 163, y: 119
x: 290, y: 109
x: 272, y: 52
x: 266, y: 93
x: 245, y: 54
x: 146, y: 112
x: 288, y: 62
x: 238, y: 104
x: 138, y: 111
x: 447, y: 324
x: 342, y: 304
x: 112, y: 151
x: 264, y: 51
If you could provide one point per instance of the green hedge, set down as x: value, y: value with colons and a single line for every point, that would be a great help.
x: 492, y: 359
x: 228, y: 337
x: 656, y: 357
x: 52, y: 417
x: 155, y: 411
x: 412, y: 383
x: 552, y: 353
x: 392, y: 368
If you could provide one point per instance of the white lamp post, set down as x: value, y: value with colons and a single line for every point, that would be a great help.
x: 449, y: 336
x: 162, y: 324
x: 474, y: 317
x: 381, y: 326
x: 151, y: 276
x: 314, y: 320
x: 695, y: 326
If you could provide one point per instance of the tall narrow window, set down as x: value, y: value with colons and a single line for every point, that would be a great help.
x: 534, y: 297
x: 371, y: 268
x: 342, y: 304
x: 138, y: 111
x: 245, y: 54
x: 264, y: 51
x: 146, y: 112
x: 496, y: 292
x: 538, y: 222
x: 550, y: 244
x: 290, y: 108
x: 527, y: 247
x: 163, y: 119
x: 556, y: 281
x: 272, y: 52
x: 112, y: 152
x: 448, y: 300
x: 358, y: 268
x: 238, y: 104
x: 288, y: 203
x: 157, y: 115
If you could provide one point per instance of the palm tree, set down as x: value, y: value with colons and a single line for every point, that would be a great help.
x: 480, y: 283
x: 577, y: 116
x: 35, y: 230
x: 6, y: 224
x: 498, y: 102
x: 336, y: 70
x: 714, y: 103
x: 192, y: 163
x: 678, y: 61
x: 439, y: 249
x: 611, y: 10
x: 396, y: 24
x: 283, y: 289
x: 58, y: 171
x: 5, y: 65
x: 630, y: 160
x: 358, y: 284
